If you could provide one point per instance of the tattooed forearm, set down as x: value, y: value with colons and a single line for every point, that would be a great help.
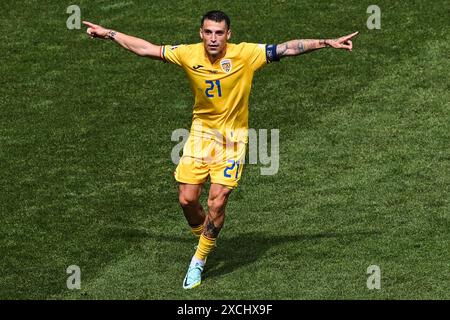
x: 296, y: 47
x: 211, y: 231
x: 301, y: 47
x: 281, y: 49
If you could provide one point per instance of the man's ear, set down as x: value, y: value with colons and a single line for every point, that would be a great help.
x: 228, y: 34
x: 201, y: 34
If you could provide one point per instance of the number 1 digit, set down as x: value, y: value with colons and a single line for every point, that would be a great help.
x: 219, y: 89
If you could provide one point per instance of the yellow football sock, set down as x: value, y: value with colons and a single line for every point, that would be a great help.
x: 205, y: 246
x: 197, y: 230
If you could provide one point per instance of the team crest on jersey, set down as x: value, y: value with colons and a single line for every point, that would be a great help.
x: 226, y: 65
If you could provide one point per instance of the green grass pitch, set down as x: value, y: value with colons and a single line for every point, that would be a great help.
x: 364, y: 177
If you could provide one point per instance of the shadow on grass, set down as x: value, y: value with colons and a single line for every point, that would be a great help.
x: 244, y: 249
x: 233, y: 253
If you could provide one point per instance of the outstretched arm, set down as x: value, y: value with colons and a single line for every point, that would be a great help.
x: 296, y: 47
x: 136, y: 45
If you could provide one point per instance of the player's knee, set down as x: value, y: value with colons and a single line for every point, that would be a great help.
x: 187, y: 200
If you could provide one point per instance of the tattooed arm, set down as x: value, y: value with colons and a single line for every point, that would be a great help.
x: 138, y: 46
x: 296, y: 47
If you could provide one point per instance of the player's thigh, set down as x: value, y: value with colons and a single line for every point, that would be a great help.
x: 192, y: 168
x: 191, y: 171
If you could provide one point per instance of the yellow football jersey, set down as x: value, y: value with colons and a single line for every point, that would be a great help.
x: 222, y: 89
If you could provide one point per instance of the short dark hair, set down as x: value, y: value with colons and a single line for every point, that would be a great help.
x: 217, y: 16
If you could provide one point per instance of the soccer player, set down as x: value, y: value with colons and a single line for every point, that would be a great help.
x: 220, y: 74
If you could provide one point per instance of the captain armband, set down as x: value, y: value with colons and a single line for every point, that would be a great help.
x: 271, y: 53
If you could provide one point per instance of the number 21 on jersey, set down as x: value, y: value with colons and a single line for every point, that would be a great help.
x: 213, y: 88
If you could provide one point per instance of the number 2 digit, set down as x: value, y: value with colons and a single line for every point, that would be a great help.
x: 229, y: 168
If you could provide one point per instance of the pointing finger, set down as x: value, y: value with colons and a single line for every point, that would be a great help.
x: 351, y: 35
x: 89, y: 24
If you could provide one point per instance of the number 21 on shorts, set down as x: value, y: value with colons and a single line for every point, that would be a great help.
x: 233, y: 164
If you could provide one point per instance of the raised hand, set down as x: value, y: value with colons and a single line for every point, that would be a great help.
x: 344, y: 42
x: 96, y: 31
